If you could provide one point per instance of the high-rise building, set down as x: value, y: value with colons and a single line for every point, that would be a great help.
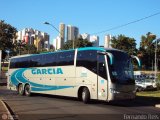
x: 72, y: 32
x: 34, y: 37
x: 95, y: 40
x: 57, y: 43
x: 62, y: 34
x: 107, y: 40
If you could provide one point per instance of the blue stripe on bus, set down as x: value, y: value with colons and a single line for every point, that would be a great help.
x: 18, y: 77
x: 49, y: 88
x: 91, y: 48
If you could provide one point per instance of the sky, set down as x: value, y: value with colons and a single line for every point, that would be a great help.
x: 90, y: 16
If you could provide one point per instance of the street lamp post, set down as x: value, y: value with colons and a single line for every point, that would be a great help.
x: 47, y: 23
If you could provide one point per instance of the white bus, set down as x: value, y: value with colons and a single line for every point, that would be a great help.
x: 86, y: 73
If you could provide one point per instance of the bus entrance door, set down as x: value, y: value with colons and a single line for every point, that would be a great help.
x: 101, y: 78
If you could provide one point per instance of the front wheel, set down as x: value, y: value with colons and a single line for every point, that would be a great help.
x: 27, y: 90
x: 85, y: 95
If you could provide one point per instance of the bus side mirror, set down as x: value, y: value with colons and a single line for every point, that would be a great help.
x: 110, y: 55
x: 138, y: 60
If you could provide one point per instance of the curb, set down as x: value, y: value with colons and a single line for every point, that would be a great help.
x: 158, y: 105
x: 7, y: 114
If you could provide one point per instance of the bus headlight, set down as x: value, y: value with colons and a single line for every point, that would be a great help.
x: 114, y: 91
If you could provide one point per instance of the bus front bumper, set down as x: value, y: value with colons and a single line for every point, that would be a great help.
x: 123, y: 95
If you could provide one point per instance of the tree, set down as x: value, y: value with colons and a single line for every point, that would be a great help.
x: 29, y: 49
x: 77, y: 44
x: 147, y: 50
x: 124, y: 43
x: 7, y: 34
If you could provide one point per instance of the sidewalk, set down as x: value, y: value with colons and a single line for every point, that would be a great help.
x: 4, y: 112
x: 2, y: 107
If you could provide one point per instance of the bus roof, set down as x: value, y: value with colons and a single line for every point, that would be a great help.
x: 79, y: 49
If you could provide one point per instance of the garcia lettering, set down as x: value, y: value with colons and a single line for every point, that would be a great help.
x: 47, y: 71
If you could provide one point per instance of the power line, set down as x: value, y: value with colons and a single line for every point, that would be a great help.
x: 123, y: 25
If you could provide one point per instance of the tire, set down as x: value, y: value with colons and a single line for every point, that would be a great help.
x: 27, y: 90
x: 20, y: 89
x: 85, y: 95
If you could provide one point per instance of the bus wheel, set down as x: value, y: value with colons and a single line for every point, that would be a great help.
x: 85, y: 95
x: 20, y: 89
x: 27, y: 90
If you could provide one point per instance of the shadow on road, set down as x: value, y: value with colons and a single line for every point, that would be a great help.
x: 137, y: 102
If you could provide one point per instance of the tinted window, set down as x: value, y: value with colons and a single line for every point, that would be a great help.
x: 49, y: 60
x: 65, y: 58
x: 42, y: 60
x: 87, y: 59
x: 35, y: 61
x: 23, y: 62
x: 12, y: 63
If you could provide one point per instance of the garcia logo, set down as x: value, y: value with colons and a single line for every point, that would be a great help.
x: 47, y: 71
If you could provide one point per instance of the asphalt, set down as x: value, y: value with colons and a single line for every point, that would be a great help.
x: 4, y: 110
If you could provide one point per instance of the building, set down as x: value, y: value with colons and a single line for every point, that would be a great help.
x: 57, y: 43
x: 107, y: 41
x: 72, y: 32
x: 34, y: 37
x: 62, y: 34
x: 95, y: 40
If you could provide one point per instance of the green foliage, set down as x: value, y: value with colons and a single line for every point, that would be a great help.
x: 147, y: 50
x: 76, y: 44
x: 29, y: 49
x: 124, y: 43
x: 7, y: 34
x: 21, y: 48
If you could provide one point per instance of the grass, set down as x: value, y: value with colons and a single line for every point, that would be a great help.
x: 149, y: 93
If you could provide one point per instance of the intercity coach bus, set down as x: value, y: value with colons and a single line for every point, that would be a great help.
x: 86, y: 73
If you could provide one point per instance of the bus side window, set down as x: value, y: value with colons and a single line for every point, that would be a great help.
x: 12, y: 63
x: 65, y: 58
x: 88, y: 59
x: 35, y: 61
x: 49, y: 60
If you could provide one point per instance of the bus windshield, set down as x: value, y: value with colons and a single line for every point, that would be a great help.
x: 121, y: 71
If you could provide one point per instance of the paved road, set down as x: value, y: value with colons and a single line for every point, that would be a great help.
x: 47, y: 107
